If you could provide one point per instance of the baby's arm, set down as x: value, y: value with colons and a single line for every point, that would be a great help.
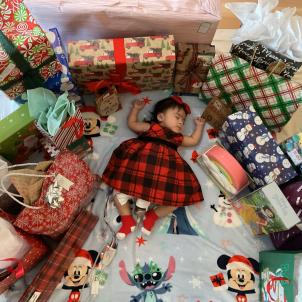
x: 133, y: 123
x: 195, y: 137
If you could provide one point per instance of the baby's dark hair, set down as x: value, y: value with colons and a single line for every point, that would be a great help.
x: 163, y: 105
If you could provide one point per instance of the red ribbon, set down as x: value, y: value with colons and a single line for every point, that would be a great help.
x: 19, y: 270
x: 179, y: 100
x: 116, y: 78
x: 72, y: 122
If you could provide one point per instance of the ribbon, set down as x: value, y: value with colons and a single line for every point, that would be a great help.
x: 192, y: 70
x: 19, y: 270
x: 179, y: 100
x: 72, y: 122
x: 31, y: 76
x: 116, y: 78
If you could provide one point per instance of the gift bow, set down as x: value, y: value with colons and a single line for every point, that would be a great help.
x: 116, y: 80
x: 179, y: 100
x: 72, y: 122
x: 19, y: 270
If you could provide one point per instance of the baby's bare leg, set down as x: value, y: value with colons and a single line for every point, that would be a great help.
x: 163, y: 211
x: 123, y: 209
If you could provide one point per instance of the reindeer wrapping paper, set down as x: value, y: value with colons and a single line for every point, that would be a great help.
x: 142, y: 62
x: 245, y: 136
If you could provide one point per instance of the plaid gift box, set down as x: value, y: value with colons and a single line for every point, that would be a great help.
x: 266, y: 59
x: 193, y: 62
x: 146, y: 63
x: 245, y: 136
x: 239, y: 84
x: 53, y: 270
x: 26, y: 56
x: 218, y: 282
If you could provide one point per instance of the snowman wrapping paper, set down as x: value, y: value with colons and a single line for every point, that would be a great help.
x: 61, y: 81
x: 246, y: 137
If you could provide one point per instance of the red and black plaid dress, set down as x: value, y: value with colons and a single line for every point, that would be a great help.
x: 149, y: 167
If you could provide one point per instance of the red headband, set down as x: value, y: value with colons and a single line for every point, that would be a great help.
x: 179, y: 100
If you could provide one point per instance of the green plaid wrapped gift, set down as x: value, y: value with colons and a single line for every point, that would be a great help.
x: 241, y: 85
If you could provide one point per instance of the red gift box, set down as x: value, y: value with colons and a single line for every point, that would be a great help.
x: 27, y: 59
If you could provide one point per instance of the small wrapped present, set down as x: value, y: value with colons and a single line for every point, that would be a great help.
x: 216, y: 112
x: 131, y: 64
x: 27, y: 58
x: 233, y: 79
x: 280, y: 273
x: 193, y: 62
x: 266, y: 59
x: 245, y: 136
x: 19, y: 137
x: 62, y: 80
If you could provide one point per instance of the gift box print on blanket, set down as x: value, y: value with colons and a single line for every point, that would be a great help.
x: 274, y: 98
x: 27, y: 58
x: 130, y: 63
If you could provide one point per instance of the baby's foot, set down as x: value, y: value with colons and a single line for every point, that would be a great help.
x: 128, y: 226
x: 149, y: 221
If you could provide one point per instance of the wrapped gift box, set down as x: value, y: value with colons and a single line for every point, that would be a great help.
x: 190, y: 20
x: 193, y: 62
x: 233, y: 79
x: 27, y: 58
x: 280, y: 274
x: 266, y: 59
x: 245, y: 136
x: 18, y: 135
x: 61, y: 81
x: 293, y: 148
x: 147, y: 62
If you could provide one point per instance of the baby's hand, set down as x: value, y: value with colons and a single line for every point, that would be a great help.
x: 138, y: 104
x: 199, y: 121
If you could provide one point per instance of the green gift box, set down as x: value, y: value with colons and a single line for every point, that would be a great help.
x: 18, y: 135
x: 279, y: 276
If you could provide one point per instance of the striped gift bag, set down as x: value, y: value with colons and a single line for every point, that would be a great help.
x: 71, y: 130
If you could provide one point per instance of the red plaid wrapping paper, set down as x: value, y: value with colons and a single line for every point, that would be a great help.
x: 36, y: 253
x: 274, y: 98
x: 67, y: 133
x: 53, y: 270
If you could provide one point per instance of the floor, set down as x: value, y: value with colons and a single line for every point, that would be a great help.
x: 229, y: 23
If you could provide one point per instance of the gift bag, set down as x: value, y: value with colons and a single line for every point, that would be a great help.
x: 27, y: 58
x: 35, y: 252
x: 280, y: 276
x: 232, y: 79
x: 58, y: 119
x: 245, y: 136
x: 193, y: 62
x: 68, y: 186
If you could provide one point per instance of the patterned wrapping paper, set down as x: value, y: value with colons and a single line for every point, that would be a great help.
x: 274, y: 98
x: 26, y: 56
x: 266, y: 59
x: 147, y: 62
x: 193, y: 62
x: 53, y: 270
x: 245, y: 136
x: 62, y: 81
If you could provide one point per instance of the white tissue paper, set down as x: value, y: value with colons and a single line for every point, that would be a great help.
x: 7, y: 106
x: 15, y: 246
x: 280, y: 31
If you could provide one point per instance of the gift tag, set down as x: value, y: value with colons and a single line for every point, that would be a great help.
x: 63, y: 182
x: 107, y: 255
x: 54, y: 195
x: 99, y: 279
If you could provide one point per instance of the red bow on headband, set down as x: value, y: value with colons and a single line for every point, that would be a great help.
x: 179, y: 100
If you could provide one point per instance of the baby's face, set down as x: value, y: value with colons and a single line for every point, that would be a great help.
x: 174, y: 119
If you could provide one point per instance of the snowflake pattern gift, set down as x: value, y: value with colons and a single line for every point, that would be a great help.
x: 54, y: 218
x: 27, y: 59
